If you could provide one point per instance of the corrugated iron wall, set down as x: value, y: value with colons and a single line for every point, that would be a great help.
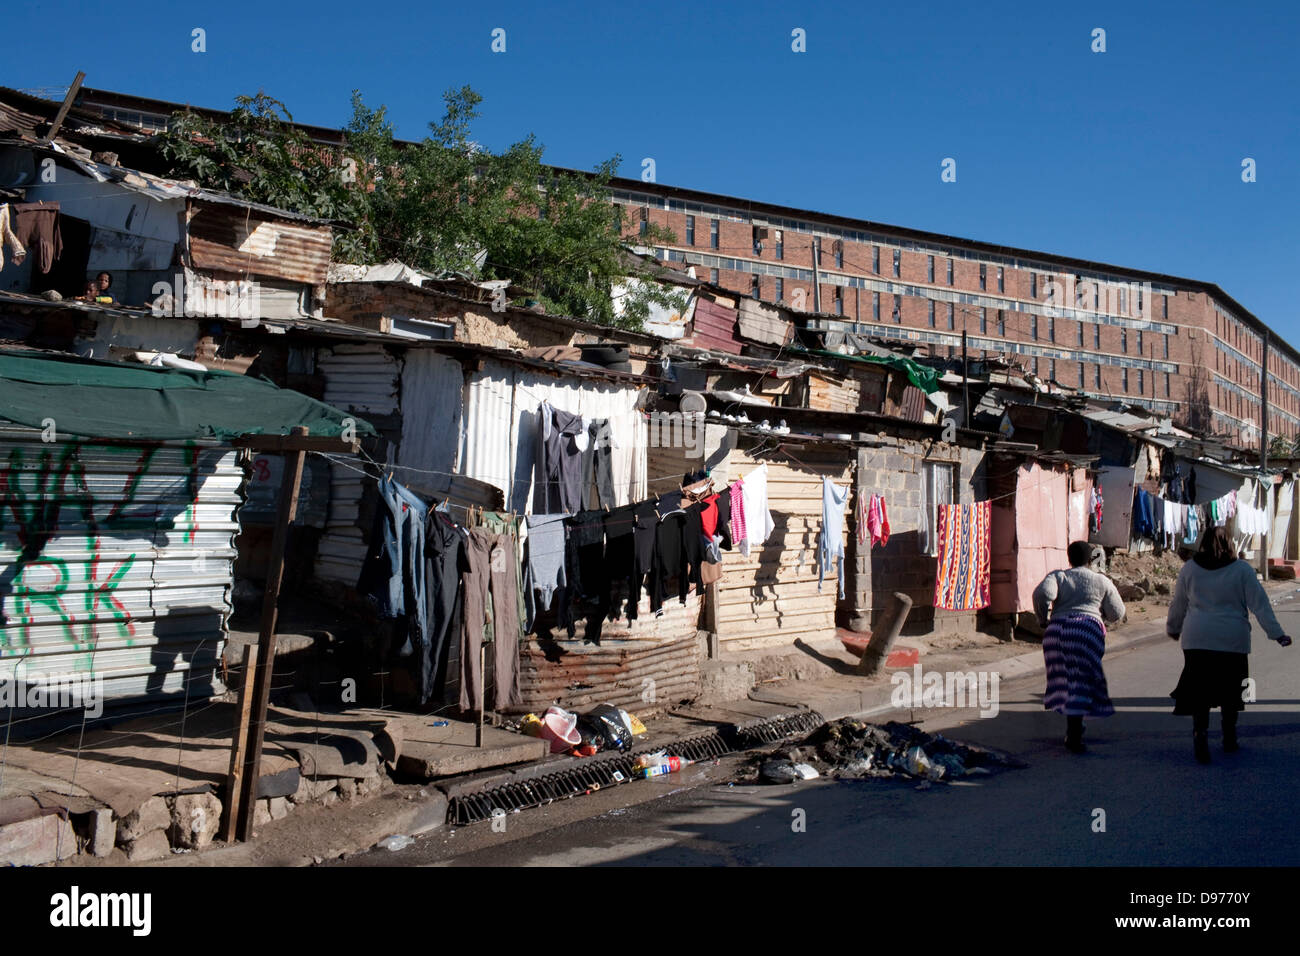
x: 239, y: 241
x: 488, y: 440
x: 363, y: 379
x: 499, y: 441
x: 432, y: 386
x: 116, y: 562
x: 715, y: 327
x: 641, y: 676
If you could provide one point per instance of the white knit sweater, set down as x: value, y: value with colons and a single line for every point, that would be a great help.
x: 1077, y: 591
x: 1210, y: 609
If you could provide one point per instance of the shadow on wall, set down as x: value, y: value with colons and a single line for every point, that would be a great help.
x: 177, y: 668
x: 901, y: 565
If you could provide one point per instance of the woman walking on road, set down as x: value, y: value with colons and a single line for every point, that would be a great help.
x: 1209, y: 617
x: 1071, y: 606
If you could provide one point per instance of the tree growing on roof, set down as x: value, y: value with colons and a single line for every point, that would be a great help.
x: 260, y: 155
x: 445, y: 204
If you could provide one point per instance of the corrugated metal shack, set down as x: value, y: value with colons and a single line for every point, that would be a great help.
x: 118, y: 516
x: 117, y: 561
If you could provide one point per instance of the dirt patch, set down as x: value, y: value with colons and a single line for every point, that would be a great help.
x: 1154, y: 574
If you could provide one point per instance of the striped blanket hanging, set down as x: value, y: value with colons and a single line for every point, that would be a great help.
x: 962, y: 582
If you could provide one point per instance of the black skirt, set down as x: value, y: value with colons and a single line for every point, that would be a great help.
x: 1211, y: 679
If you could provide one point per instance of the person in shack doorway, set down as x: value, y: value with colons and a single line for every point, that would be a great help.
x: 1073, y: 607
x: 97, y: 289
x: 1209, y: 615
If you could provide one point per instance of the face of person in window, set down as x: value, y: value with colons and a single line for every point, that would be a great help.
x: 103, y: 281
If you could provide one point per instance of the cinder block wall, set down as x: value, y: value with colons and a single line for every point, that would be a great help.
x: 898, y: 474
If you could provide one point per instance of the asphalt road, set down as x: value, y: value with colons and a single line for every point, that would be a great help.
x: 1160, y: 806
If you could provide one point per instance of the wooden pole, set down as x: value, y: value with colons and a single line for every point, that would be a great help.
x: 1263, y: 456
x: 965, y: 373
x: 235, y: 776
x: 255, y: 729
x: 482, y: 693
x: 62, y: 114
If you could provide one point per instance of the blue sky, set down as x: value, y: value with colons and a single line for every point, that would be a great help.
x: 1132, y: 156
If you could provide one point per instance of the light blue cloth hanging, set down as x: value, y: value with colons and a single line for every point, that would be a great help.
x: 831, y: 545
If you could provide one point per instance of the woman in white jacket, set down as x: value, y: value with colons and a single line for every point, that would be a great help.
x: 1209, y: 616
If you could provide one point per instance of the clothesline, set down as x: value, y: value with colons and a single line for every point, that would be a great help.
x: 615, y: 523
x: 429, y: 471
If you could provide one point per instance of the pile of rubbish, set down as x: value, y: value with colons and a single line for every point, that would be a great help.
x: 854, y: 750
x: 583, y: 735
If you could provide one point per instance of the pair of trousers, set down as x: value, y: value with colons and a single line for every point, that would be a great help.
x: 490, y: 599
x: 598, y: 464
x: 445, y: 550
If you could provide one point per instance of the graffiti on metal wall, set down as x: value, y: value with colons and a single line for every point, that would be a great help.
x: 48, y: 494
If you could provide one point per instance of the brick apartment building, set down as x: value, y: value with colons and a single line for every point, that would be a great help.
x: 1110, y: 332
x: 1177, y: 346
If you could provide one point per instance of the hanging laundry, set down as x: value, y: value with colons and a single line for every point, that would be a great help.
x: 598, y: 464
x: 722, y: 529
x: 558, y: 468
x: 709, y: 515
x: 738, y: 531
x: 36, y: 228
x: 965, y: 548
x: 758, y: 520
x: 588, y: 591
x: 491, y: 606
x: 444, y: 550
x: 1219, y: 511
x: 620, y: 561
x: 678, y: 550
x: 1195, y: 521
x: 643, y: 546
x: 878, y: 521
x: 1142, y: 523
x: 1252, y: 520
x: 834, y: 497
x: 545, y: 569
x: 861, y: 504
x: 393, y: 571
x: 8, y: 238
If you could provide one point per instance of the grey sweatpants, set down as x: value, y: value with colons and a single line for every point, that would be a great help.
x: 490, y: 597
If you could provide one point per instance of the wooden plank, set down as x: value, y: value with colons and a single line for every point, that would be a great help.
x: 235, y: 777
x: 62, y: 114
x: 255, y: 728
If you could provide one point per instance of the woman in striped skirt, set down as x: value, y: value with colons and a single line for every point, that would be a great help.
x: 1072, y: 607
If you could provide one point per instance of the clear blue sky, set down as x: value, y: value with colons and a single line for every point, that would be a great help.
x: 1132, y: 156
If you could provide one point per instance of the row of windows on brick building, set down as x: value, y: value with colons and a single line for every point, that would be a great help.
x: 838, y: 253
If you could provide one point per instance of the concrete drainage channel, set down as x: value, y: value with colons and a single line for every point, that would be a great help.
x: 613, y: 769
